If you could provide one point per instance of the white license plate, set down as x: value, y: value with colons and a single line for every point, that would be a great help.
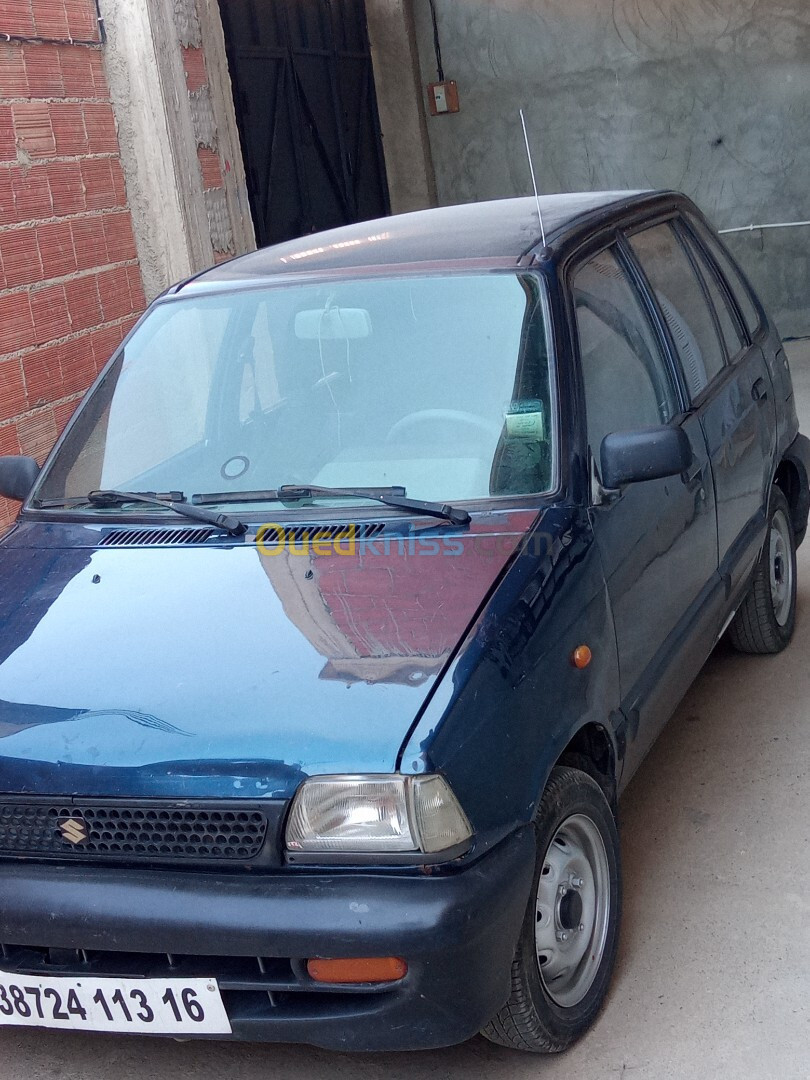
x: 146, y: 1006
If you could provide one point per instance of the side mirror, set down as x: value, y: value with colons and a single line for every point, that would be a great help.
x: 630, y: 457
x: 17, y: 477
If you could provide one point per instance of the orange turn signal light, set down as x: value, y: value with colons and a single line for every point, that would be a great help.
x: 581, y: 656
x: 367, y: 969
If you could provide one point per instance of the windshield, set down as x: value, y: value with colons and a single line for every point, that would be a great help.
x: 438, y: 384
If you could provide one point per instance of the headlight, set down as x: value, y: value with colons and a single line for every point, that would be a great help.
x: 376, y: 814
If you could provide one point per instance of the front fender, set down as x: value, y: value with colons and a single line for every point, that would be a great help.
x: 512, y: 699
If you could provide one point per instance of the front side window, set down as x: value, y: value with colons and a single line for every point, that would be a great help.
x: 436, y: 383
x: 625, y: 376
x: 683, y: 304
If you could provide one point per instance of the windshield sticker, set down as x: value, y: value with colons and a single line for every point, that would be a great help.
x: 524, y: 420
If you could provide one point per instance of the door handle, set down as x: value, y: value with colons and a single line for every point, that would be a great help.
x: 759, y: 391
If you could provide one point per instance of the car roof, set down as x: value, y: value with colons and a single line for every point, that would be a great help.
x: 504, y: 229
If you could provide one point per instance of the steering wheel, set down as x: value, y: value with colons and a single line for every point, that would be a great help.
x: 444, y: 416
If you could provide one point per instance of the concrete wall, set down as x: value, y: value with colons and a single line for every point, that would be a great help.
x: 166, y: 66
x: 708, y: 96
x: 397, y: 78
x: 70, y: 283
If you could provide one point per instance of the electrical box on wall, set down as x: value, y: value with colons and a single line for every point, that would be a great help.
x: 443, y: 98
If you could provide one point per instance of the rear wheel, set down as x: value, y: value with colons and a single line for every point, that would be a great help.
x: 567, y: 946
x: 766, y: 619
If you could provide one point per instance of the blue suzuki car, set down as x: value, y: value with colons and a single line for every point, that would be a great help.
x: 353, y: 595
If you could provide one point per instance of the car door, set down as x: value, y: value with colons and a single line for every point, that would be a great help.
x: 742, y: 475
x: 658, y: 539
x: 728, y: 383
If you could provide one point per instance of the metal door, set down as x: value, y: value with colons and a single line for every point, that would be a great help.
x: 307, y: 113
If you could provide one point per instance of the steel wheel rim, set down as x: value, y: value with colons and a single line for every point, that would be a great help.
x: 572, y: 910
x: 781, y: 568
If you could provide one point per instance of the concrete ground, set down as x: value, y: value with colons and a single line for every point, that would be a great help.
x: 713, y: 978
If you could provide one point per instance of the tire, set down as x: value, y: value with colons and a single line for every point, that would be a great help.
x: 765, y: 620
x: 577, y: 882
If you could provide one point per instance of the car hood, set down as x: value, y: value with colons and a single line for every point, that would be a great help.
x: 225, y: 670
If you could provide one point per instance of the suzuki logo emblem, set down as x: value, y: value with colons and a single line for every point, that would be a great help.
x: 73, y: 830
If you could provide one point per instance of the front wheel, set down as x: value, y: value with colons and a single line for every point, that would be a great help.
x: 766, y: 618
x: 567, y: 947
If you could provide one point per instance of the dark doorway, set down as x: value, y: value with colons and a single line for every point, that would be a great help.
x: 306, y: 107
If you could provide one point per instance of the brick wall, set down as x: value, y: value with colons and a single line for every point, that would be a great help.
x: 70, y: 284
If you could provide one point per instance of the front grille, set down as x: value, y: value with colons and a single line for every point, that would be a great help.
x: 253, y: 987
x: 235, y: 972
x: 155, y: 537
x: 138, y: 831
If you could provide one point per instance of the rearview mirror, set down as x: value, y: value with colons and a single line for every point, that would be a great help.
x: 17, y: 477
x: 630, y: 457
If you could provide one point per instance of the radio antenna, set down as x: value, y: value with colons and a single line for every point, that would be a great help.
x: 534, y: 178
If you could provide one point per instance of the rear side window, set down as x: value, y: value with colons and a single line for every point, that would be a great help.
x: 683, y: 304
x: 732, y: 334
x: 734, y: 279
x: 626, y: 379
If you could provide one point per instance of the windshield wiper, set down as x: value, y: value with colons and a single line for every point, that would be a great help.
x: 393, y: 496
x: 173, y: 501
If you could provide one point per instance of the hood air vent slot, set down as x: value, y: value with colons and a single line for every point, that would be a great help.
x: 306, y: 534
x: 293, y: 535
x: 155, y: 537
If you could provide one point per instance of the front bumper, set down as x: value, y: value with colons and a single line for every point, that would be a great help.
x: 456, y: 931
